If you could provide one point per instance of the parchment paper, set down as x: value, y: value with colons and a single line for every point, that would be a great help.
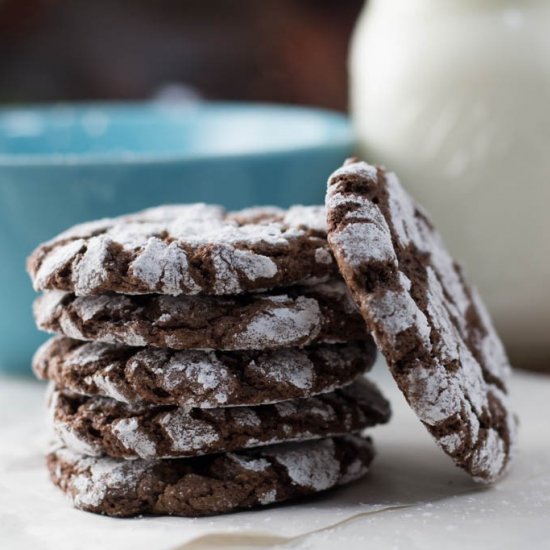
x: 413, y: 498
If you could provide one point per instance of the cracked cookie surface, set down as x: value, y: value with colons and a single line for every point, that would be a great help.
x: 187, y: 249
x: 431, y: 326
x: 293, y: 317
x: 213, y: 484
x: 194, y: 378
x: 98, y: 425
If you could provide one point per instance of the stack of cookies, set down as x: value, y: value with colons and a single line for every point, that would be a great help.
x: 203, y: 361
x: 210, y: 361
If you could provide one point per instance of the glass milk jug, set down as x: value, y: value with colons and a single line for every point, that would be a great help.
x: 454, y: 95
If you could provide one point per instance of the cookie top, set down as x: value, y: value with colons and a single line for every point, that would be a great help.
x: 294, y: 317
x: 428, y: 322
x: 186, y: 249
x: 98, y: 425
x: 208, y: 485
x: 204, y: 379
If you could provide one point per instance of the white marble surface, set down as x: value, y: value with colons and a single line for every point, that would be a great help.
x: 412, y: 499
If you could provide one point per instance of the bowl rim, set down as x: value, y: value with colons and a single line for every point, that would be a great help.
x: 341, y: 138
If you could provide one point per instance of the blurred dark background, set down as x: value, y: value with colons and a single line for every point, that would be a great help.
x: 291, y: 51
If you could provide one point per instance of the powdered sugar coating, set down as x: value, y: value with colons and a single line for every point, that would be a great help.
x: 430, y: 325
x: 165, y: 263
x: 269, y: 497
x: 105, y: 384
x: 312, y: 465
x: 306, y: 217
x: 97, y: 476
x: 89, y: 272
x: 57, y: 260
x: 396, y: 312
x: 204, y: 379
x: 185, y: 433
x: 133, y: 437
x: 296, y: 317
x: 288, y: 366
x: 75, y: 442
x: 251, y: 464
x: 323, y: 256
x: 352, y: 238
x: 186, y: 249
x: 133, y: 431
x: 236, y: 480
x: 281, y: 326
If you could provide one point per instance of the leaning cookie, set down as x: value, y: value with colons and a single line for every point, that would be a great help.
x: 295, y: 317
x: 430, y: 325
x: 208, y: 485
x: 96, y: 425
x: 187, y: 249
x: 194, y: 378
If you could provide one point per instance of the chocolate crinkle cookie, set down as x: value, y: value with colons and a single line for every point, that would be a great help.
x: 294, y: 317
x: 197, y: 378
x: 206, y: 362
x: 212, y: 484
x: 98, y: 425
x: 187, y: 249
x: 431, y: 326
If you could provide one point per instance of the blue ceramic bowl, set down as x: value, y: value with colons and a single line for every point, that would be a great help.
x: 61, y: 165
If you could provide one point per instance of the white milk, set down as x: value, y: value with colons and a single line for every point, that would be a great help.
x: 454, y: 95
